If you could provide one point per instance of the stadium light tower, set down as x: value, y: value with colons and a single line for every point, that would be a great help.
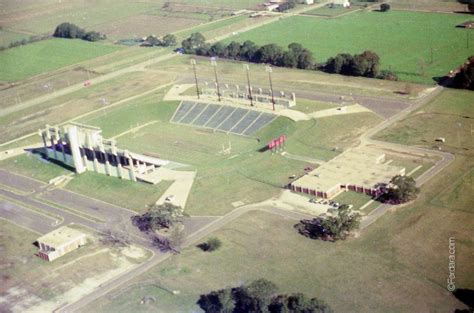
x: 246, y: 68
x: 214, y: 64
x: 268, y: 68
x: 193, y: 63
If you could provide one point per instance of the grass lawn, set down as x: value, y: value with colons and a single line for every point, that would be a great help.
x: 355, y: 198
x: 39, y: 57
x: 310, y: 106
x: 124, y: 193
x: 402, y: 39
x: 448, y: 116
x: 33, y: 166
x: 22, y: 286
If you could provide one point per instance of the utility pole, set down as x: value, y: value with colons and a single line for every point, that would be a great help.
x: 268, y: 68
x: 214, y: 64
x: 193, y: 63
x: 246, y: 67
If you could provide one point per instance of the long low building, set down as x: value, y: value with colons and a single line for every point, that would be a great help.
x: 360, y: 170
x: 83, y: 148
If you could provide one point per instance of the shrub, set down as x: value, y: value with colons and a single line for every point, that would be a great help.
x: 210, y: 245
x: 388, y: 75
x: 384, y: 7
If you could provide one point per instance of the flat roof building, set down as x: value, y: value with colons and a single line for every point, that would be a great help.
x: 59, y: 242
x: 361, y: 170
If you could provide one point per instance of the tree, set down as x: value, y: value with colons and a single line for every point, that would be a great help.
x: 220, y: 301
x: 233, y: 50
x: 248, y: 51
x: 169, y: 40
x: 158, y: 217
x: 401, y: 189
x: 297, y: 302
x: 384, y: 7
x: 258, y: 297
x: 465, y: 77
x: 176, y: 236
x: 68, y: 30
x: 340, y: 64
x: 270, y: 53
x: 330, y: 228
x: 469, y: 3
x: 195, y: 41
x: 72, y: 31
x: 217, y: 49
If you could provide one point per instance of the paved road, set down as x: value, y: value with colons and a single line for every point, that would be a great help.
x: 26, y: 218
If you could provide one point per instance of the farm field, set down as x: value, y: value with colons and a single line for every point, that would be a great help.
x: 47, y: 55
x: 403, y: 40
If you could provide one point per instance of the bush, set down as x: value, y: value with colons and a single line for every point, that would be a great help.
x: 384, y: 7
x: 210, y: 245
x: 388, y: 75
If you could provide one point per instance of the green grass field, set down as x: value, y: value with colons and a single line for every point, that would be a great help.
x: 402, y: 39
x: 123, y: 193
x: 39, y: 57
x: 33, y: 166
x: 449, y: 115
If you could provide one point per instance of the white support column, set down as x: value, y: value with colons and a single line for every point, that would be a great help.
x: 75, y: 152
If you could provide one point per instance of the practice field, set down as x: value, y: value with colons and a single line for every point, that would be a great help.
x: 227, y: 119
x: 403, y: 40
x: 39, y: 57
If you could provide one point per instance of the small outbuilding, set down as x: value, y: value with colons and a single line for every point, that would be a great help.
x: 59, y: 242
x: 343, y: 3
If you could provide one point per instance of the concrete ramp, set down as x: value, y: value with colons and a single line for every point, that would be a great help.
x: 178, y: 192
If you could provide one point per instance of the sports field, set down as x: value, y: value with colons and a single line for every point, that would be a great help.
x: 402, y: 39
x: 33, y: 59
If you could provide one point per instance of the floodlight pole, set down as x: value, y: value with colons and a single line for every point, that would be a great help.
x: 214, y: 64
x: 246, y: 67
x: 268, y: 68
x: 193, y: 63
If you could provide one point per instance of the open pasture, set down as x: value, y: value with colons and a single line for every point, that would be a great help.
x: 449, y: 116
x: 33, y: 59
x: 403, y: 40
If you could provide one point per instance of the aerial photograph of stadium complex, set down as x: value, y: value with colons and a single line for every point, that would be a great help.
x: 237, y: 156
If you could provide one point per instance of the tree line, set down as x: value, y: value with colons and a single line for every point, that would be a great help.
x: 257, y: 297
x: 72, y: 31
x: 295, y: 56
x: 25, y: 41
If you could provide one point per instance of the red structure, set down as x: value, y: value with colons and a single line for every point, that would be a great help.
x: 277, y: 143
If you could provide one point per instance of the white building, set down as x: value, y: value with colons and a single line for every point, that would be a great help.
x: 343, y: 3
x: 59, y: 242
x: 83, y: 148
